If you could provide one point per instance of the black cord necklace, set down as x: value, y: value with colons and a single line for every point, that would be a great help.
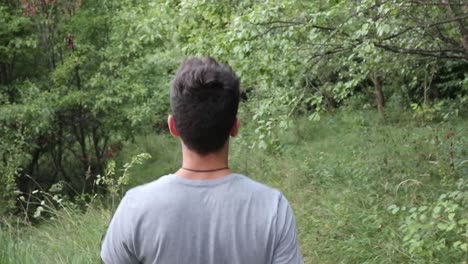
x: 213, y: 170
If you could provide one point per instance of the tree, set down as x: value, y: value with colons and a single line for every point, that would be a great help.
x: 66, y: 117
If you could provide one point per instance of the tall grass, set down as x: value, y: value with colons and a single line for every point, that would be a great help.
x: 340, y: 175
x: 71, y: 237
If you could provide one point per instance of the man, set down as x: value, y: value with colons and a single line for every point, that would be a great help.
x: 203, y: 213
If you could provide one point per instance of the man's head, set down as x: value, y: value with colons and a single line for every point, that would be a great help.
x: 204, y: 102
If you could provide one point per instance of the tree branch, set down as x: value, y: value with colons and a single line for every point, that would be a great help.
x: 444, y: 54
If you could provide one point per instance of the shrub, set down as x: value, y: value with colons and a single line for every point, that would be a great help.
x: 437, y: 230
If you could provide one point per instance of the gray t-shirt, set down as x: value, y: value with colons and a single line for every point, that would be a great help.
x: 174, y: 220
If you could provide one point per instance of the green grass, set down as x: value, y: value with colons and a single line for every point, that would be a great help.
x: 70, y: 238
x: 340, y: 175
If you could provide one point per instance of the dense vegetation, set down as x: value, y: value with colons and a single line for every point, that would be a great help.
x: 355, y: 109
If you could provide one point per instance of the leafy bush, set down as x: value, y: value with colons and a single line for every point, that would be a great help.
x: 46, y: 205
x: 436, y: 230
x: 442, y: 110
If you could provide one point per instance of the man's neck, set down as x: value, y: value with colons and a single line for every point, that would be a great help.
x: 208, y: 167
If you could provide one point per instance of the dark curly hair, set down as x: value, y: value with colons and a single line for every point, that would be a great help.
x: 204, y: 102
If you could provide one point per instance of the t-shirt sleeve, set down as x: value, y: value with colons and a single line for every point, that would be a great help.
x: 286, y: 246
x: 117, y: 247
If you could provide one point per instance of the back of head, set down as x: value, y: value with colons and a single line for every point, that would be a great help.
x: 204, y: 103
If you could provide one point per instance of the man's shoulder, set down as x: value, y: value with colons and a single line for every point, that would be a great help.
x: 252, y: 185
x: 167, y: 183
x: 155, y: 184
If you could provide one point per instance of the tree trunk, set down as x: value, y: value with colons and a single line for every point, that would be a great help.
x: 379, y: 96
x: 460, y: 22
x: 24, y: 183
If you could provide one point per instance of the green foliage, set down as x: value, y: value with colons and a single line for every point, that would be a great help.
x: 294, y: 58
x: 14, y: 37
x: 303, y: 57
x: 10, y: 169
x: 428, y: 112
x: 82, y: 219
x: 66, y: 113
x: 66, y: 118
x: 437, y: 230
x: 440, y: 111
x: 115, y: 185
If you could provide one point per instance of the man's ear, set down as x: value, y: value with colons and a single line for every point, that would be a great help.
x: 172, y: 126
x: 235, y: 128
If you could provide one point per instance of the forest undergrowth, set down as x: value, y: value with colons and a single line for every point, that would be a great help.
x: 362, y: 190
